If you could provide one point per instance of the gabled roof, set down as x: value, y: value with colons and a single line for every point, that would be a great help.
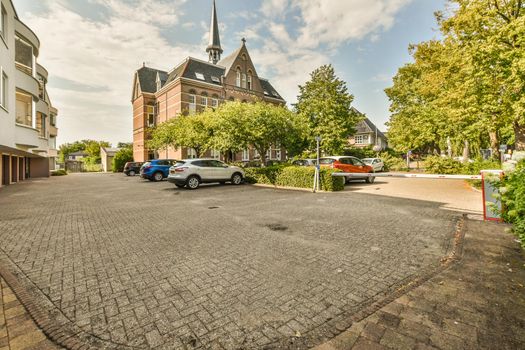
x: 148, y: 79
x: 368, y: 123
x: 78, y: 153
x: 228, y: 61
x: 268, y: 88
x: 110, y: 151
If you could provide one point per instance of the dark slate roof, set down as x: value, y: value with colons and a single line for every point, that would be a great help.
x: 78, y: 153
x: 207, y: 69
x: 270, y: 89
x: 374, y: 128
x: 148, y: 79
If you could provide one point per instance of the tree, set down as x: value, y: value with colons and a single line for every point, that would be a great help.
x: 325, y: 104
x: 183, y: 131
x: 123, y: 156
x: 91, y: 147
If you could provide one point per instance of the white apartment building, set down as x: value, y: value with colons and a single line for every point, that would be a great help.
x: 28, y: 128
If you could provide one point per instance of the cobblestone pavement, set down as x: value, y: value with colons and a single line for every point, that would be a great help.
x: 125, y: 263
x: 478, y: 303
x: 17, y: 329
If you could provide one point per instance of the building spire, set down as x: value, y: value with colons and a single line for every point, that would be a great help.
x: 214, y: 49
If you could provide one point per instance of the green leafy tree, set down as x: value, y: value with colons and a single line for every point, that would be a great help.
x: 325, y: 104
x: 123, y: 156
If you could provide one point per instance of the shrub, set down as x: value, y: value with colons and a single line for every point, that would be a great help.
x: 92, y: 168
x: 513, y: 199
x: 360, y: 153
x: 59, y: 172
x: 292, y: 176
x: 442, y: 165
x: 393, y: 163
x: 123, y: 156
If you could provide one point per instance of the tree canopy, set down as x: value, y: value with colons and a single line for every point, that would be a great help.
x: 468, y: 89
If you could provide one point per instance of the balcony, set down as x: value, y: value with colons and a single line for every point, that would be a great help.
x: 27, y: 83
x: 53, y: 131
x: 28, y: 34
x: 26, y: 136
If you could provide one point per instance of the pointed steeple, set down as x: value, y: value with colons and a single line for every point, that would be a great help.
x: 214, y: 48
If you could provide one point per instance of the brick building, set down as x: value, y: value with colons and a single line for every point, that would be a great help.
x: 192, y: 86
x: 28, y: 128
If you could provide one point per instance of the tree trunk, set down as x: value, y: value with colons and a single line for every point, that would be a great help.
x: 466, y: 151
x: 494, y: 144
x: 519, y: 135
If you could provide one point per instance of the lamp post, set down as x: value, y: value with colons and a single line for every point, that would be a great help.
x: 317, y: 178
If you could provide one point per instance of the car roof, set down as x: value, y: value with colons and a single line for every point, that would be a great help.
x: 197, y: 159
x: 338, y: 157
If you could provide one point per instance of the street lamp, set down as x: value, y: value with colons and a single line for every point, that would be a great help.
x: 317, y: 176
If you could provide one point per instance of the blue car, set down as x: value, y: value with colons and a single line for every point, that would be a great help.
x: 157, y: 169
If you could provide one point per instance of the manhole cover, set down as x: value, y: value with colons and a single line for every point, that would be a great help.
x: 213, y: 207
x: 277, y: 227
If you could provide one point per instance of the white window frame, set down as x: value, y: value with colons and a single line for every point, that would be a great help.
x: 200, y: 76
x: 250, y: 85
x: 278, y: 152
x: 214, y: 102
x: 33, y: 60
x: 4, y: 87
x: 269, y: 154
x: 215, y: 154
x: 3, y: 22
x: 204, y: 101
x: 33, y: 109
x: 246, y: 155
x: 238, y: 78
x: 192, y: 154
x: 192, y: 104
x: 244, y: 80
x: 361, y: 139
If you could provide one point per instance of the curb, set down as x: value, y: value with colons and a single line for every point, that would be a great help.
x: 454, y: 256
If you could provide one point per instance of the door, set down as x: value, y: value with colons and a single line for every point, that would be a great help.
x: 219, y: 170
x: 5, y: 170
x: 358, y: 166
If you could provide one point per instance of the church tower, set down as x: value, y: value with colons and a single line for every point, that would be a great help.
x: 214, y: 49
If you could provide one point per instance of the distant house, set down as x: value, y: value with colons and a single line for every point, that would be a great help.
x: 106, y: 155
x: 368, y: 135
x: 77, y: 155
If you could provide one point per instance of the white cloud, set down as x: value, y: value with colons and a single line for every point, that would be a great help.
x: 103, y: 54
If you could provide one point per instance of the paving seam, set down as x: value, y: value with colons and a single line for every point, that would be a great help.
x: 49, y: 319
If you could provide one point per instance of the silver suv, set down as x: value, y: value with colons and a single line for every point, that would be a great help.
x: 192, y: 172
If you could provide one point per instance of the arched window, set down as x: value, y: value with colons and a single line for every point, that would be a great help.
x: 250, y: 85
x: 231, y: 98
x: 204, y: 99
x: 244, y: 80
x: 238, y: 80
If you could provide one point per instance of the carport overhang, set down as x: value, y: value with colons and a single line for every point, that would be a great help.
x: 18, y: 152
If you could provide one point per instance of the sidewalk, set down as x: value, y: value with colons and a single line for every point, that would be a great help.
x: 477, y: 303
x: 17, y: 329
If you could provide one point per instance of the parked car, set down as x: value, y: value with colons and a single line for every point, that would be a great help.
x: 376, y: 163
x: 304, y: 162
x: 349, y: 165
x: 157, y: 169
x: 192, y: 172
x: 132, y: 168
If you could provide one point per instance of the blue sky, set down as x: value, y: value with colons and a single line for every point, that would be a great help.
x: 92, y: 48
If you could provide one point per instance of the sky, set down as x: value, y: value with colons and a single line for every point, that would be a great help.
x: 92, y: 48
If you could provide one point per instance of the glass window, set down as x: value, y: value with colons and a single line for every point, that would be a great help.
x: 215, y: 79
x: 41, y: 124
x: 3, y: 90
x: 150, y: 115
x: 24, y: 108
x: 191, y: 153
x: 246, y: 155
x: 244, y: 80
x: 238, y: 79
x: 361, y: 139
x: 216, y: 164
x: 3, y: 23
x: 214, y: 102
x: 192, y: 106
x: 249, y: 82
x: 199, y: 76
x: 204, y: 101
x: 215, y: 154
x: 24, y: 55
x: 326, y: 161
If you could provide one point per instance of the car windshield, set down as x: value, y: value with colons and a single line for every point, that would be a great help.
x: 146, y: 164
x: 326, y: 161
x: 368, y: 160
x: 179, y: 163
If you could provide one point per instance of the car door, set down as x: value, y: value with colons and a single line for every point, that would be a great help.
x: 358, y: 166
x: 220, y: 171
x: 347, y: 165
x: 201, y: 168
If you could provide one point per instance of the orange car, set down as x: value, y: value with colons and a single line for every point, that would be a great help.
x: 349, y: 165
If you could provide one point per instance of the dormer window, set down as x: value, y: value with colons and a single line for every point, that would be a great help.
x: 159, y: 83
x: 199, y: 76
x: 266, y: 93
x: 238, y: 79
x: 215, y: 79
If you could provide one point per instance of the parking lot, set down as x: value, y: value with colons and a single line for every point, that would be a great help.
x: 130, y: 263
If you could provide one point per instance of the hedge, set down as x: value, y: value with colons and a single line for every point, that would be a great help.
x: 294, y: 176
x: 513, y: 198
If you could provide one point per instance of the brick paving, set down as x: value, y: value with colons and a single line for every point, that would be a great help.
x: 17, y: 329
x: 478, y: 303
x: 125, y: 263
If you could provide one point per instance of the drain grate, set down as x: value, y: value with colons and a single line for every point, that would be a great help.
x: 213, y: 207
x: 277, y: 227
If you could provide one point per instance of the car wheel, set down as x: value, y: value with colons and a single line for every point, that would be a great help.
x: 193, y: 182
x: 179, y: 185
x: 131, y: 173
x: 237, y: 179
x: 370, y: 180
x: 158, y: 176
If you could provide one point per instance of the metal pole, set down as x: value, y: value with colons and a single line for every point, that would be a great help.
x: 318, y: 166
